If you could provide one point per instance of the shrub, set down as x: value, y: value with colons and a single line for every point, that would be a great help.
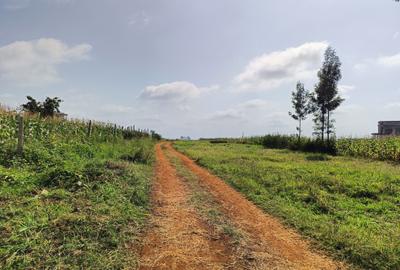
x: 218, y: 141
x: 62, y: 178
x: 296, y: 144
x: 143, y: 154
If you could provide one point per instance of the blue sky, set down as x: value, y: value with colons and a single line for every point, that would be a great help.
x: 201, y: 68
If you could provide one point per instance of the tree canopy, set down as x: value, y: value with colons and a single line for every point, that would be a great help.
x: 301, y: 105
x: 49, y: 108
x: 326, y: 97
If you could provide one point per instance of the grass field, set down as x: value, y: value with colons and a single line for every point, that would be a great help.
x: 75, y: 203
x: 349, y: 206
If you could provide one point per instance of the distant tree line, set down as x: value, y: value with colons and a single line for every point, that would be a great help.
x: 48, y: 108
x: 322, y: 101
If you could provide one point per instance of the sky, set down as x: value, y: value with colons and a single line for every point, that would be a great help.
x: 201, y: 68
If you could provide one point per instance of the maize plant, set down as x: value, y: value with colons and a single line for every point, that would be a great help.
x: 53, y: 129
x: 387, y: 148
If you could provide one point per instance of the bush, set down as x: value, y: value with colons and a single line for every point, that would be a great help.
x: 293, y: 143
x: 62, y: 178
x: 218, y: 141
x: 143, y: 154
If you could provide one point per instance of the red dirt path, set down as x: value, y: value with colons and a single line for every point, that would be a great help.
x: 178, y: 239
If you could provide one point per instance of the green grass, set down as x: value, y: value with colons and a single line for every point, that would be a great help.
x: 350, y: 206
x: 73, y: 205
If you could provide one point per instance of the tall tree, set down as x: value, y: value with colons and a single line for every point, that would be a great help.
x: 301, y: 105
x: 32, y: 106
x: 50, y: 107
x: 326, y: 97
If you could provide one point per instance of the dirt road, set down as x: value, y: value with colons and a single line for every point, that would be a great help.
x: 180, y: 238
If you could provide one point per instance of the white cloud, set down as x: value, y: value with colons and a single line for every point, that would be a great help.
x: 253, y: 104
x: 389, y: 61
x: 277, y: 121
x: 113, y: 108
x: 34, y: 63
x: 174, y: 91
x: 273, y: 69
x: 16, y: 4
x: 240, y: 110
x: 344, y: 90
x: 396, y: 35
x: 211, y: 88
x: 231, y: 114
x: 349, y: 109
x: 184, y: 107
x: 21, y: 4
x: 140, y: 18
x: 392, y: 105
x: 361, y: 67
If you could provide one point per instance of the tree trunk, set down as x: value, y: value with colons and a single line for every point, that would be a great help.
x: 299, y: 129
x: 322, y: 126
x: 328, y: 129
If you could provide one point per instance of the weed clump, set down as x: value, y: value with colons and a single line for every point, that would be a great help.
x: 318, y: 157
x: 62, y: 178
x: 141, y: 155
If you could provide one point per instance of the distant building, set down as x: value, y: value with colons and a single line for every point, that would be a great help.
x: 388, y: 128
x: 61, y: 115
x: 185, y: 138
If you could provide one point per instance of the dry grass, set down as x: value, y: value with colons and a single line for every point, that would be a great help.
x: 5, y: 109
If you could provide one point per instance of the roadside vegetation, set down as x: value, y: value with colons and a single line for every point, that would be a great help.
x: 73, y: 199
x: 385, y: 148
x: 294, y: 143
x: 349, y: 206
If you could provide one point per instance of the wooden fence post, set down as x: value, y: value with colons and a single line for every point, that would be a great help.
x: 90, y: 128
x: 20, y: 146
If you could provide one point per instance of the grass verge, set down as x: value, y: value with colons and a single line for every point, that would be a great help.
x: 73, y: 205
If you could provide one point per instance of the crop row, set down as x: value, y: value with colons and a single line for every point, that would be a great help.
x: 38, y: 129
x: 384, y: 148
x: 387, y: 148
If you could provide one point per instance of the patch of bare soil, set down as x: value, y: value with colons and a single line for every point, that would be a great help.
x: 273, y: 246
x: 177, y: 237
